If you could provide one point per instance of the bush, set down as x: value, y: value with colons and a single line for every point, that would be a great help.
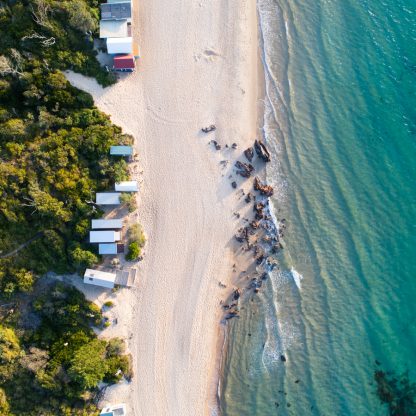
x: 135, y: 233
x: 109, y: 304
x: 116, y: 346
x: 130, y: 200
x: 134, y: 251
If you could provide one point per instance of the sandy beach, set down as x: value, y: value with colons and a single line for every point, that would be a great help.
x: 199, y: 67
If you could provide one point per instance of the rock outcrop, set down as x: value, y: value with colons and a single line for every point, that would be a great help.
x: 262, y: 151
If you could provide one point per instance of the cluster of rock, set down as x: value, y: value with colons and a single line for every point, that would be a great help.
x: 260, y: 235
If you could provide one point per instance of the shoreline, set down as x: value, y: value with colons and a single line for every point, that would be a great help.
x: 172, y: 320
x: 223, y: 338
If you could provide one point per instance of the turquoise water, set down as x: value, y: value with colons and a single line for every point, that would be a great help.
x: 341, y: 120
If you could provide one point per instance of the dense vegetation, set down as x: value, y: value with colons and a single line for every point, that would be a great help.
x: 54, y: 143
x: 54, y: 147
x: 50, y: 359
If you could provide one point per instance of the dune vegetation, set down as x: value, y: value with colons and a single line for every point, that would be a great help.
x: 54, y: 156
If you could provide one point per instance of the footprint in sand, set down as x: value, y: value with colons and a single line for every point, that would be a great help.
x: 210, y: 54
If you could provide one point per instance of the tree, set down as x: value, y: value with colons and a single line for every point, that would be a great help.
x: 83, y: 258
x: 4, y: 404
x: 80, y: 17
x: 9, y: 345
x: 24, y: 279
x: 88, y: 367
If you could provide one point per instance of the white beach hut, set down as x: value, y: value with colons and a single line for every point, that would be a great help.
x: 113, y: 29
x: 114, y: 410
x: 104, y: 224
x: 107, y: 198
x: 120, y: 45
x: 104, y: 236
x: 99, y: 278
x: 117, y: 10
x: 127, y: 186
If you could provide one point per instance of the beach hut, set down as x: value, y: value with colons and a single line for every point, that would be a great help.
x: 120, y: 45
x: 107, y: 248
x: 115, y: 410
x: 124, y: 63
x: 113, y: 29
x: 116, y: 11
x: 127, y: 186
x: 107, y: 198
x: 121, y: 150
x: 107, y: 224
x: 99, y: 278
x: 104, y: 236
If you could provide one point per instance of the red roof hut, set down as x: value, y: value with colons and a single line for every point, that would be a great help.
x: 124, y: 63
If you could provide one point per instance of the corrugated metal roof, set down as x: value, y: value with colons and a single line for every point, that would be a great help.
x: 116, y: 11
x: 104, y: 236
x: 121, y: 150
x: 120, y: 45
x: 107, y: 249
x: 98, y: 274
x: 127, y: 186
x: 107, y: 224
x: 113, y: 29
x: 107, y: 198
x: 124, y: 62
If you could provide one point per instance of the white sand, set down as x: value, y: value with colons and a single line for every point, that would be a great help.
x: 198, y: 67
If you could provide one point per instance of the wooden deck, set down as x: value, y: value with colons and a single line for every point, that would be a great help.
x: 126, y: 278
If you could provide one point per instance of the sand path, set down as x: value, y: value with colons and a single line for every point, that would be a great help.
x: 198, y: 67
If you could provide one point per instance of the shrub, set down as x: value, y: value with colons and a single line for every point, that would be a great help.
x: 136, y: 234
x: 115, y: 346
x: 130, y: 200
x: 109, y: 304
x: 134, y: 251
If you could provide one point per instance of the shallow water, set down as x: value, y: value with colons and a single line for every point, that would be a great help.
x: 341, y: 121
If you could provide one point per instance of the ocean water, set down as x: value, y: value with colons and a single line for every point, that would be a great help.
x: 341, y: 121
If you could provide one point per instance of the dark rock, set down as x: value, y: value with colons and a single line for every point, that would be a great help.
x: 265, y: 190
x: 236, y: 294
x: 208, y: 129
x: 255, y: 224
x: 244, y: 169
x: 282, y: 358
x: 234, y: 146
x: 231, y: 315
x: 297, y: 381
x: 234, y: 184
x: 248, y: 198
x: 262, y: 151
x: 264, y: 276
x: 249, y: 154
x: 242, y: 235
